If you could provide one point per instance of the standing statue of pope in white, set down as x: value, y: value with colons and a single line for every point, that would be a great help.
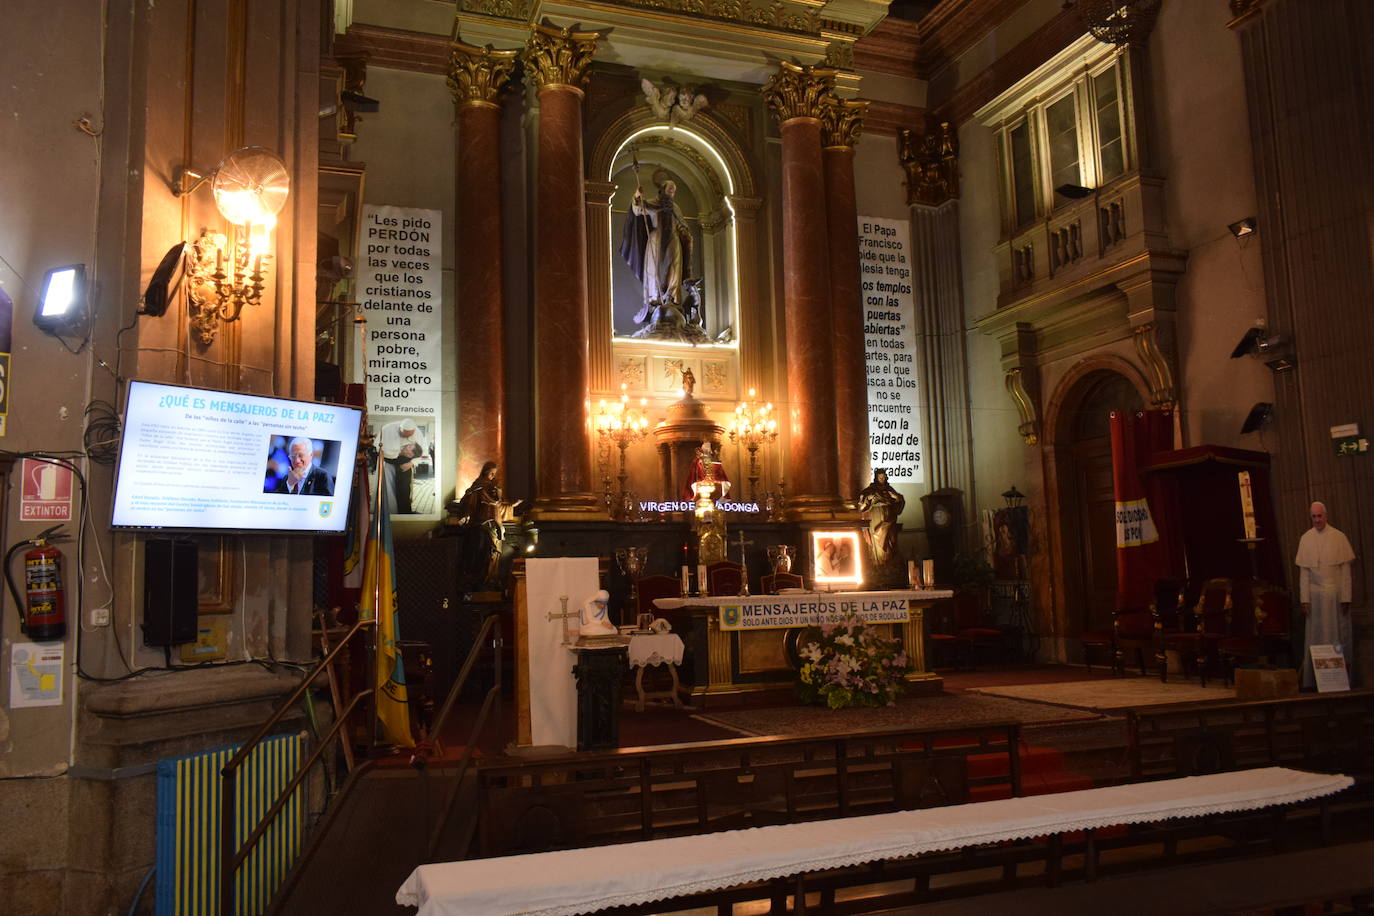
x: 1324, y: 561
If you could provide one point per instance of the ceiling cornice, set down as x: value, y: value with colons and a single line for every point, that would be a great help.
x: 954, y: 26
x: 395, y: 49
x: 886, y: 118
x: 1042, y: 44
x: 890, y: 48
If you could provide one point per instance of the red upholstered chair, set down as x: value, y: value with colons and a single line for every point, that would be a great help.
x: 970, y: 625
x: 650, y: 587
x: 773, y: 583
x: 1132, y: 628
x: 947, y: 647
x: 725, y: 578
x: 1267, y: 637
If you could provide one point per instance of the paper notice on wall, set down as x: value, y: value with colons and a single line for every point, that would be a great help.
x: 1328, y: 667
x: 894, y: 428
x: 400, y: 292
x: 35, y: 674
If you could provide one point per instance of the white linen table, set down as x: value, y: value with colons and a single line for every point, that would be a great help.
x: 585, y: 880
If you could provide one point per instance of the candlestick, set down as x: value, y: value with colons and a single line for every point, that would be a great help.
x: 1247, y: 504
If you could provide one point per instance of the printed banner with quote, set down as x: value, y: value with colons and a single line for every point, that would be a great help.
x: 894, y: 428
x: 400, y: 293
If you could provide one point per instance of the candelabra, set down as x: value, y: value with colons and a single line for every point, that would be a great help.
x: 620, y: 425
x: 753, y: 425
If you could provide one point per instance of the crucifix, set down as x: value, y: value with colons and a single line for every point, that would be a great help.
x: 744, y: 564
x: 564, y: 617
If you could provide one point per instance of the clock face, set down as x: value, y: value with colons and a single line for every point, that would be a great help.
x: 940, y: 516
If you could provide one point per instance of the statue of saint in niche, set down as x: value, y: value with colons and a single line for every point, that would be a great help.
x: 656, y: 243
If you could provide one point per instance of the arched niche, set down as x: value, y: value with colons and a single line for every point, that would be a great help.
x: 717, y: 189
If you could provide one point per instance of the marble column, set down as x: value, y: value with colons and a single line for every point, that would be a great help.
x: 557, y: 61
x: 476, y: 78
x: 797, y: 96
x: 843, y: 119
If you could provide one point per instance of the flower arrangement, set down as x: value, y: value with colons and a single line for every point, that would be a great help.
x: 852, y: 664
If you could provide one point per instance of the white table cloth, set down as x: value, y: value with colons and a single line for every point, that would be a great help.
x: 584, y: 880
x: 659, y: 649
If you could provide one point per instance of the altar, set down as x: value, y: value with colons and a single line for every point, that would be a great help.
x: 747, y: 644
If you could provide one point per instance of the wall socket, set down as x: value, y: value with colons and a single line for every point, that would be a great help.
x: 100, y: 617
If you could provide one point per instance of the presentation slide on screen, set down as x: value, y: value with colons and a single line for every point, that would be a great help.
x: 191, y: 458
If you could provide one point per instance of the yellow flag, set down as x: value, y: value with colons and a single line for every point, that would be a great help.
x: 379, y: 601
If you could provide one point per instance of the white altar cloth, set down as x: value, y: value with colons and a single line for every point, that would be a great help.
x: 658, y: 649
x: 585, y: 880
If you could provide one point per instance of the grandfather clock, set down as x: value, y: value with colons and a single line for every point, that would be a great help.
x: 944, y: 511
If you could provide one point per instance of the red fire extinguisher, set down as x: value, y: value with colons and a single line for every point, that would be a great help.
x: 42, y: 614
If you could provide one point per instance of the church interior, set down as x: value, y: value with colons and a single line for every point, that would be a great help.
x: 686, y: 456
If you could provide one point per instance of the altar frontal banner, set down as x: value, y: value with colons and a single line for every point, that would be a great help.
x: 812, y: 611
x: 894, y: 421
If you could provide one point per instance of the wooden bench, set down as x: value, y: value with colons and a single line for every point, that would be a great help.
x: 592, y: 799
x: 692, y: 870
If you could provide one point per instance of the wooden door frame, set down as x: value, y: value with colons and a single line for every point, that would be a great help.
x: 1056, y: 449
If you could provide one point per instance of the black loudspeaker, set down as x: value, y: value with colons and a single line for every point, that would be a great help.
x: 170, y: 584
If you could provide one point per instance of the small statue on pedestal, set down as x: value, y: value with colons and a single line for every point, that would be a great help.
x: 595, y: 619
x: 479, y: 514
x: 883, y: 505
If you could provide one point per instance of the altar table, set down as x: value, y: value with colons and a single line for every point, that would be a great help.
x: 727, y: 661
x: 577, y: 881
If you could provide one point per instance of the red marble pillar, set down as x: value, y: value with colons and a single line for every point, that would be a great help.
x: 557, y: 61
x: 797, y: 96
x: 476, y: 76
x: 842, y: 123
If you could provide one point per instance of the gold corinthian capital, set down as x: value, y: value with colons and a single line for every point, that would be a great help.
x: 842, y: 121
x: 477, y: 75
x: 799, y: 92
x: 559, y: 57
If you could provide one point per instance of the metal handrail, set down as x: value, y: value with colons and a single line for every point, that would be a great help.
x: 230, y: 858
x: 493, y: 696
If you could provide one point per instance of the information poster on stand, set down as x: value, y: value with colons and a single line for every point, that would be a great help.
x: 894, y: 428
x: 400, y: 292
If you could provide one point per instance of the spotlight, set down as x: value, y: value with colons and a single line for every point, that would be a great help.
x: 360, y: 102
x: 1073, y: 191
x: 1243, y: 227
x: 165, y: 282
x: 1259, y: 416
x: 62, y: 307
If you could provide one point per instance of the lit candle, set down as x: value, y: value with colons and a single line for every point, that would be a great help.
x: 1247, y: 504
x: 928, y: 573
x: 912, y: 575
x: 701, y: 579
x: 686, y: 582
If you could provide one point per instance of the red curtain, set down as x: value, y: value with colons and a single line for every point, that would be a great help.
x: 1142, y: 552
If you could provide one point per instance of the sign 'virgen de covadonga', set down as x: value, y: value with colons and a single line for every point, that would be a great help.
x: 894, y: 428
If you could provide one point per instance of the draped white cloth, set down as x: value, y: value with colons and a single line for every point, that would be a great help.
x: 547, y: 662
x: 1324, y: 561
x: 584, y: 880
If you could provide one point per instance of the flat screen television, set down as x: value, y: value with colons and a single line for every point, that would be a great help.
x: 198, y: 460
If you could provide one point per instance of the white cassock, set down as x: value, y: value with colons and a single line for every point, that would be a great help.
x: 1324, y: 560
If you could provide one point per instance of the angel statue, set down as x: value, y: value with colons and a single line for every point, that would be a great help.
x: 672, y: 103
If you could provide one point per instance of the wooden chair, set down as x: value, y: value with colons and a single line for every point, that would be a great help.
x: 1104, y: 639
x: 725, y: 578
x: 1167, y: 611
x: 1210, y: 624
x: 1267, y: 638
x: 773, y: 583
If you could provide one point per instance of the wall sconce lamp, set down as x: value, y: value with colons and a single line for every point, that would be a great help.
x: 1014, y: 498
x: 1243, y: 227
x: 227, y: 271
x: 63, y: 306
